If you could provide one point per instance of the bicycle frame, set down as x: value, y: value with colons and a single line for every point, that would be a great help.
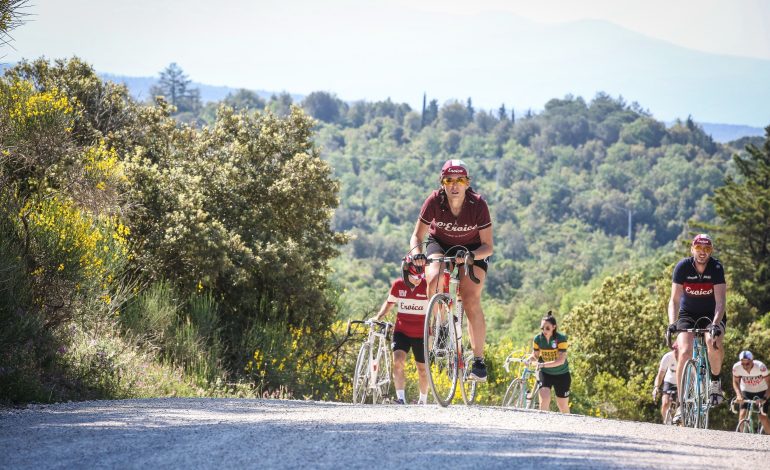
x: 372, y: 373
x: 519, y: 396
x: 750, y: 424
x: 445, y: 354
x: 693, y: 391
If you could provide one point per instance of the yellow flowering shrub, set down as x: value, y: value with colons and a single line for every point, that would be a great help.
x: 29, y: 110
x: 77, y: 245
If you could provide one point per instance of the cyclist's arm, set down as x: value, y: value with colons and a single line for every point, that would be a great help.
x: 418, y: 235
x: 659, y: 378
x: 720, y: 293
x: 384, y: 310
x: 737, y: 387
x: 673, y: 302
x: 767, y: 392
x: 560, y: 359
x: 485, y: 249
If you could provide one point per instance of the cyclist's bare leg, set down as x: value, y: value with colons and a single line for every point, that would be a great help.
x: 765, y: 422
x: 716, y: 356
x: 665, y: 404
x: 685, y: 352
x: 433, y: 276
x: 563, y: 404
x: 471, y: 294
x: 422, y: 374
x: 742, y: 414
x: 545, y: 398
x: 399, y: 378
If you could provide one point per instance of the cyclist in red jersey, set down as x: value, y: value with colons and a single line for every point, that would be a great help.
x: 411, y: 304
x: 457, y: 223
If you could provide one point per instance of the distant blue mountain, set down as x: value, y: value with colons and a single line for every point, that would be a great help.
x: 139, y: 87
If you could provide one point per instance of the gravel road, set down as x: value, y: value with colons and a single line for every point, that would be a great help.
x: 237, y: 433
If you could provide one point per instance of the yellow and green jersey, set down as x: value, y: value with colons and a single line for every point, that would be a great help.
x: 549, y: 351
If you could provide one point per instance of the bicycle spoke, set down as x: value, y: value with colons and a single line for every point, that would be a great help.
x: 440, y: 347
x: 361, y: 375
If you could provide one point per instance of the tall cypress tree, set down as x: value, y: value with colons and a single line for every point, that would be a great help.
x: 743, y: 205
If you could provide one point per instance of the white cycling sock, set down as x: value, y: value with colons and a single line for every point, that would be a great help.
x: 401, y: 395
x: 423, y: 398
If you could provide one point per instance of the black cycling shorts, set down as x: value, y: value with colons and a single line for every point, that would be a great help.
x: 560, y: 383
x: 402, y: 342
x: 687, y: 321
x: 753, y: 395
x: 435, y: 247
x: 669, y: 387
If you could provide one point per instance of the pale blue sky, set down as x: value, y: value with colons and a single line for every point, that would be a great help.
x: 371, y: 49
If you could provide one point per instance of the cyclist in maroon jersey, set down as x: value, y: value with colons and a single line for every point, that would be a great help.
x: 457, y: 223
x: 411, y: 303
x: 698, y: 293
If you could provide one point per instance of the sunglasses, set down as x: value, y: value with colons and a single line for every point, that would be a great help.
x: 546, y: 328
x: 464, y: 180
x: 703, y: 249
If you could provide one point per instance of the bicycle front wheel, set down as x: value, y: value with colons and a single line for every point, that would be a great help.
x: 361, y: 375
x: 744, y: 426
x: 440, y: 347
x: 533, y: 402
x: 691, y: 399
x: 516, y: 394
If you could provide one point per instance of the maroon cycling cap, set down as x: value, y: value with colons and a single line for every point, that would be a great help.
x: 702, y: 239
x: 454, y: 168
x: 416, y: 271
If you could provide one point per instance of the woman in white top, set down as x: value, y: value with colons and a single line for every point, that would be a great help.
x: 751, y: 380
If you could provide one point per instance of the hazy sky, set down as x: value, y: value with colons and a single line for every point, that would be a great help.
x: 297, y: 45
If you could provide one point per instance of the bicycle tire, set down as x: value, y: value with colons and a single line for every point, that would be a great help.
x: 383, y: 376
x: 690, y: 399
x: 516, y: 394
x: 705, y: 403
x: 534, y: 402
x: 669, y: 418
x: 744, y: 425
x: 440, y: 349
x: 468, y: 387
x: 361, y: 375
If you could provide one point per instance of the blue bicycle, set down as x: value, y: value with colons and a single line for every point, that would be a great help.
x: 694, y: 389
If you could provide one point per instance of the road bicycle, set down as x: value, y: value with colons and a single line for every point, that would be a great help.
x: 750, y: 423
x: 524, y: 390
x: 372, y: 373
x: 694, y: 389
x: 669, y: 418
x: 448, y: 353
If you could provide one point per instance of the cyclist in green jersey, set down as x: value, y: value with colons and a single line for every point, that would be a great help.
x: 549, y: 348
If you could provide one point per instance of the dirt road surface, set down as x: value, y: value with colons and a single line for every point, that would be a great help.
x: 244, y: 433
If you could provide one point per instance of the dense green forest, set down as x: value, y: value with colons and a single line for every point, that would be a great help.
x: 173, y: 247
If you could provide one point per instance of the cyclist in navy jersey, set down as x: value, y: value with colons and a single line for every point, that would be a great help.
x: 456, y: 215
x: 698, y: 293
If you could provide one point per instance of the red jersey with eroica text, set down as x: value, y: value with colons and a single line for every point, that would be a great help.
x: 411, y: 305
x: 450, y: 230
x: 698, y: 298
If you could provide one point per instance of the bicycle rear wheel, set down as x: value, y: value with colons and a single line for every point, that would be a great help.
x: 440, y: 347
x: 744, y: 426
x: 382, y: 390
x: 361, y: 375
x: 705, y: 402
x: 468, y: 387
x: 691, y: 404
x: 516, y: 394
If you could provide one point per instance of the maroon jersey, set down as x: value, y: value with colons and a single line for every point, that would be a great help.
x: 450, y: 230
x: 411, y: 305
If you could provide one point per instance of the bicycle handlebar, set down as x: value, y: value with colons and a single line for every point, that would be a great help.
x: 510, y: 359
x: 687, y: 330
x: 467, y: 268
x: 754, y: 402
x: 382, y: 324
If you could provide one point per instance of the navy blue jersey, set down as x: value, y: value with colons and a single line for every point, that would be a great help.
x: 698, y: 298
